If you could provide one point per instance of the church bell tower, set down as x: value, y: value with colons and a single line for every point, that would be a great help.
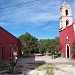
x: 66, y: 18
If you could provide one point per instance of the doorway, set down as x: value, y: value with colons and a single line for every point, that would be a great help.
x: 67, y: 51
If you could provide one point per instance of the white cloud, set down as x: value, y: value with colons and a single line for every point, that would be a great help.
x: 39, y: 11
x: 3, y: 24
x: 42, y: 11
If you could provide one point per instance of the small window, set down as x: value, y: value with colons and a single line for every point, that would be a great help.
x: 67, y: 22
x: 66, y: 11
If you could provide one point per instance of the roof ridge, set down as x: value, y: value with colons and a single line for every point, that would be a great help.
x: 8, y: 32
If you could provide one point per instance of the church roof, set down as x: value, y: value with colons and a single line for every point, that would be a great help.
x: 8, y: 32
x: 65, y: 4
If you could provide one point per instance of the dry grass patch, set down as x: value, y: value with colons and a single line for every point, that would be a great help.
x: 46, y: 67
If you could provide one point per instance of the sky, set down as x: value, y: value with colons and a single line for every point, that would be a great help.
x: 40, y: 18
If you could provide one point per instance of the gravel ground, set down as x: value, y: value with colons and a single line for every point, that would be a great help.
x: 62, y: 66
x: 64, y: 69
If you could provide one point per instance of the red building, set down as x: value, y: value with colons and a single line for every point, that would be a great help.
x: 8, y: 44
x: 67, y: 30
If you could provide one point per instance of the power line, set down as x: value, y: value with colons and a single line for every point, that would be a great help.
x: 13, y: 12
x: 19, y: 4
x: 23, y: 22
x: 18, y: 7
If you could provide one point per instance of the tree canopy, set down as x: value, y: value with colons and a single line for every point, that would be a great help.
x: 31, y: 44
x: 50, y: 45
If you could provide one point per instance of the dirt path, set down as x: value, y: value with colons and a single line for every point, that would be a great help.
x: 62, y: 66
x: 64, y: 69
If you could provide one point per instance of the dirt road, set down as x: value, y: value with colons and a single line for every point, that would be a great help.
x: 62, y: 66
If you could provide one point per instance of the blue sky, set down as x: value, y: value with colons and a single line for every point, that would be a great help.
x: 38, y: 17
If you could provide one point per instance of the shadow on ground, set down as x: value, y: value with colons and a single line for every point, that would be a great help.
x: 24, y: 65
x: 28, y: 63
x: 4, y: 66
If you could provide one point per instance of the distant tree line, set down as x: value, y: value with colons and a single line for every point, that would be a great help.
x: 31, y: 44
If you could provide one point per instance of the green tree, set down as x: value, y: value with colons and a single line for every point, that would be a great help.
x: 30, y: 43
x: 44, y: 43
x: 54, y: 45
x: 50, y: 45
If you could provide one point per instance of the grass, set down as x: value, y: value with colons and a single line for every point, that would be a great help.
x: 46, y: 67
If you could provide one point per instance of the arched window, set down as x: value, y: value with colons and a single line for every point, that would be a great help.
x: 67, y: 22
x: 66, y: 11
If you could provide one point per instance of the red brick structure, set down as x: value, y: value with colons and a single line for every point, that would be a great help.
x: 8, y: 43
x: 67, y: 30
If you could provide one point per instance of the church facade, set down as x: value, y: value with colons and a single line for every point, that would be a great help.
x: 66, y: 31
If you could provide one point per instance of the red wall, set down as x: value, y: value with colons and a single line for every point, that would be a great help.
x: 69, y: 31
x: 7, y: 39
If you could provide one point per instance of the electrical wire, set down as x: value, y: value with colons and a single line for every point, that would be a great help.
x: 23, y: 22
x: 19, y: 4
x: 18, y: 7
